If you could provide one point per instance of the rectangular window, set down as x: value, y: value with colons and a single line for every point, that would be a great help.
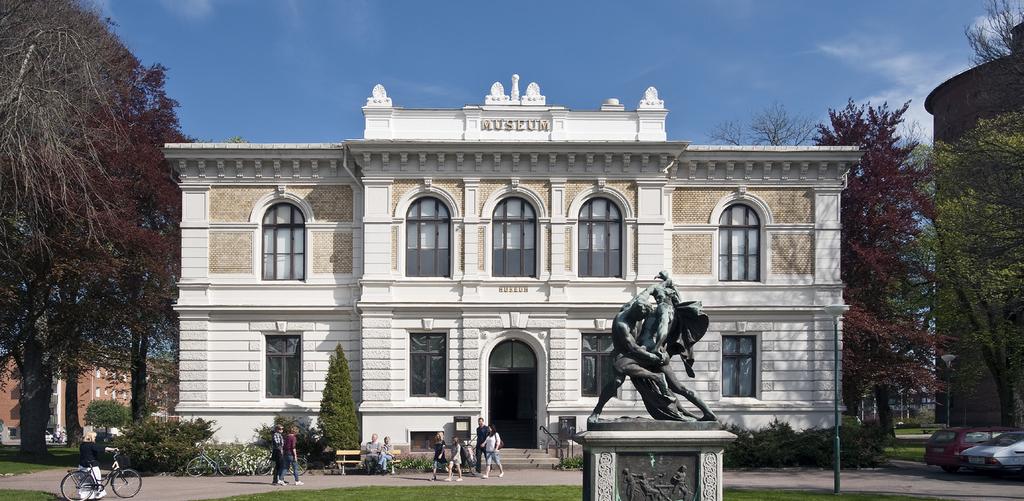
x: 738, y: 354
x: 284, y: 366
x: 427, y: 365
x: 597, y: 363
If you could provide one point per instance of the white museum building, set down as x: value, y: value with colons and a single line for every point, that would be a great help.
x: 469, y: 261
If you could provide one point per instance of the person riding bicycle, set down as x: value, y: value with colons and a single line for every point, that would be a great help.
x: 89, y: 460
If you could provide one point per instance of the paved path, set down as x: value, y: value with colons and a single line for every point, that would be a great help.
x: 901, y: 478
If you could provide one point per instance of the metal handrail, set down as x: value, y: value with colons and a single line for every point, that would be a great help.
x: 558, y: 443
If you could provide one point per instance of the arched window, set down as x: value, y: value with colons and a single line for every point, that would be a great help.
x: 284, y: 243
x: 600, y: 253
x: 427, y: 239
x: 739, y: 249
x: 514, y: 241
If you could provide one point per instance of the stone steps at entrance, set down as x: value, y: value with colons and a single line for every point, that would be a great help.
x: 520, y: 459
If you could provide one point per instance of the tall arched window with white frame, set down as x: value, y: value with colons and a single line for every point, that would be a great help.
x: 600, y: 235
x: 514, y: 239
x: 428, y: 239
x: 284, y: 243
x: 739, y: 248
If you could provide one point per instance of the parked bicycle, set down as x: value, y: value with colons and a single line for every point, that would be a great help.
x: 205, y: 465
x: 80, y: 484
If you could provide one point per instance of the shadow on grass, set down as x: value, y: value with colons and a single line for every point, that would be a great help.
x: 12, y: 461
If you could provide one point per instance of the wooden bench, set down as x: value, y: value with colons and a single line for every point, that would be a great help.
x: 358, y: 458
x: 347, y: 457
x: 395, y: 459
x: 933, y: 427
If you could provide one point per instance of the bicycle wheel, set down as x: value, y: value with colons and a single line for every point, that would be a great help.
x: 77, y: 485
x: 200, y: 467
x: 302, y: 466
x: 126, y: 483
x: 267, y: 468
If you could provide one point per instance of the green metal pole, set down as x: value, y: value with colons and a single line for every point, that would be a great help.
x: 949, y: 390
x: 835, y: 401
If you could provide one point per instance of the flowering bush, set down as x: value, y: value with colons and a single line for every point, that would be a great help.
x: 416, y: 463
x: 238, y: 459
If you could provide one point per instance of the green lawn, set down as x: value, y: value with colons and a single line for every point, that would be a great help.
x: 523, y: 493
x: 6, y: 494
x: 60, y: 457
x: 905, y: 452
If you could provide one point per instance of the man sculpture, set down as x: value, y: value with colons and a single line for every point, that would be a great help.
x: 645, y: 337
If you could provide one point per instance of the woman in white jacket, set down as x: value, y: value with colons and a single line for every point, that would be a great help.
x: 491, y: 447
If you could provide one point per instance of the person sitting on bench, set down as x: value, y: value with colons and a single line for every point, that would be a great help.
x: 373, y: 450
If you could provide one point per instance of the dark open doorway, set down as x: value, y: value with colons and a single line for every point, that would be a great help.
x: 512, y: 394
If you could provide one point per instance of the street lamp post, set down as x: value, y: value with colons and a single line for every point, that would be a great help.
x: 835, y: 311
x: 949, y: 358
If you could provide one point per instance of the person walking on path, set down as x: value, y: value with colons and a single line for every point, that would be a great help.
x: 481, y: 434
x: 439, y: 461
x: 455, y: 463
x: 89, y: 459
x: 492, y: 445
x: 277, y: 454
x: 290, y: 457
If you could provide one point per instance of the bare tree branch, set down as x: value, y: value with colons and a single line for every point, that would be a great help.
x: 728, y: 132
x: 773, y: 125
x: 992, y: 37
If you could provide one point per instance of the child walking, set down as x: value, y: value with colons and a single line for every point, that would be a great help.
x: 455, y: 463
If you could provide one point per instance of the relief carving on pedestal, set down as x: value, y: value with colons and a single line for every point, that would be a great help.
x: 605, y: 477
x: 709, y: 477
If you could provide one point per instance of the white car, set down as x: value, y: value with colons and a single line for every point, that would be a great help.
x: 1004, y: 453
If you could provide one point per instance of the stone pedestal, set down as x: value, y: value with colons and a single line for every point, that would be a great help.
x: 643, y: 459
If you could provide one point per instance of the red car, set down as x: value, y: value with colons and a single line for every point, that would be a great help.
x: 944, y: 446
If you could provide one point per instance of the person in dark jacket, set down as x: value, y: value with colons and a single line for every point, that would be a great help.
x: 89, y: 459
x: 277, y: 455
x: 439, y: 461
x: 481, y: 434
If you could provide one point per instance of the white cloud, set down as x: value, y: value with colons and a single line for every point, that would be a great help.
x: 189, y: 9
x: 902, y: 75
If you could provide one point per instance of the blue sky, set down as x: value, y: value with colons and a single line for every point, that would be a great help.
x: 299, y: 71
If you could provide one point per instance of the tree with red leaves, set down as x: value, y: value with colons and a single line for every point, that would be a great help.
x: 887, y: 208
x: 88, y: 227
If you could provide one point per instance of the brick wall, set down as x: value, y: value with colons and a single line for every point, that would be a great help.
x: 792, y: 253
x: 230, y: 252
x: 332, y: 252
x: 330, y: 203
x: 691, y: 253
x: 788, y: 205
x: 694, y: 205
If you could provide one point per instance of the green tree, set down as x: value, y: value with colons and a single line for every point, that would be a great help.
x: 337, y: 409
x: 107, y: 414
x: 980, y: 205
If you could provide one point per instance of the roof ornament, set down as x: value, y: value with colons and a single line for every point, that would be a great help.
x: 497, y: 95
x: 651, y: 101
x: 515, y: 88
x: 379, y: 97
x: 533, y: 95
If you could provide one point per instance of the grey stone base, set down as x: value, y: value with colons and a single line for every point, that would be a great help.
x: 653, y: 461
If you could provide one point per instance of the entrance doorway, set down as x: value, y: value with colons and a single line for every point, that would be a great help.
x: 512, y: 394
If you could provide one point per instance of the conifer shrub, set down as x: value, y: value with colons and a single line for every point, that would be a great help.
x: 337, y: 408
